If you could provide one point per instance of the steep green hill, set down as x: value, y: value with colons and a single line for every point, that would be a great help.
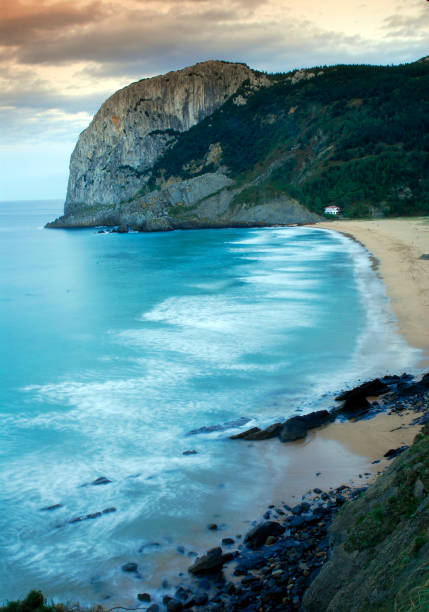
x: 354, y: 136
x: 380, y: 559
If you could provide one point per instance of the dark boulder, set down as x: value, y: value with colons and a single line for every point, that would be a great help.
x: 355, y: 405
x: 189, y: 452
x: 50, y: 508
x: 209, y: 563
x: 222, y: 427
x: 244, y: 435
x: 200, y: 599
x: 266, y: 434
x: 129, y: 567
x: 93, y: 515
x: 394, y: 452
x: 122, y: 229
x: 371, y: 387
x: 101, y: 481
x: 295, y: 428
x: 144, y: 597
x: 425, y: 380
x: 173, y: 605
x: 317, y: 418
x: 257, y: 536
x: 181, y: 594
x: 300, y: 508
x: 249, y: 562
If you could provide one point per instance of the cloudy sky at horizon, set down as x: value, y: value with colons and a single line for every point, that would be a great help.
x: 60, y: 59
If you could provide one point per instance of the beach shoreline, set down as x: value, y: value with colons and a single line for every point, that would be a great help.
x: 396, y: 247
x: 354, y: 452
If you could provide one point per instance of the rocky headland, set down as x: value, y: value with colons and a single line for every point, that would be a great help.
x: 218, y: 144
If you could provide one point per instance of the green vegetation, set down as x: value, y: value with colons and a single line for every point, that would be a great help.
x: 374, y: 526
x: 353, y: 136
x: 34, y: 602
x: 380, y: 559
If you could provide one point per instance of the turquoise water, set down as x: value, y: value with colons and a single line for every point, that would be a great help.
x: 114, y: 347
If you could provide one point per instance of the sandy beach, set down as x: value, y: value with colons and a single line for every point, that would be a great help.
x: 397, y: 245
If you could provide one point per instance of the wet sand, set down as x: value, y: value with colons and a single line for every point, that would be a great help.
x: 397, y: 245
x: 338, y: 453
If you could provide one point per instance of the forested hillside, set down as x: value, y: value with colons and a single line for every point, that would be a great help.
x: 354, y: 136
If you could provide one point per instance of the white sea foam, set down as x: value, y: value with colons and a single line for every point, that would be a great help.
x: 379, y: 350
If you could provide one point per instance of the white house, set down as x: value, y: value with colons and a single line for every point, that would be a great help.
x: 332, y: 210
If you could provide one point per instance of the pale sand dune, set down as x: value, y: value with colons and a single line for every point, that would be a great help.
x: 397, y: 245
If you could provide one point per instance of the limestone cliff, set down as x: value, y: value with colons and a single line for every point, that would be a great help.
x: 135, y: 125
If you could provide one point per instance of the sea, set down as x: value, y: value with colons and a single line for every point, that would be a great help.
x: 122, y: 352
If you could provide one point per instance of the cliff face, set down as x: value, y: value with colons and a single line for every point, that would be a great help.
x: 208, y: 200
x: 135, y: 125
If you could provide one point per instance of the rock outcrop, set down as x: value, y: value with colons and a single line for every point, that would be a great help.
x: 206, y: 201
x: 135, y: 125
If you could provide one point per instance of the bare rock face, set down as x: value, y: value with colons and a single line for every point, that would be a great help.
x: 135, y: 125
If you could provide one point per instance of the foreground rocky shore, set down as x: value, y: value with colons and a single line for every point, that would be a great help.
x: 366, y: 545
x: 283, y: 554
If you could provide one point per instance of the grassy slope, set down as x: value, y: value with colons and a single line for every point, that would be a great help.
x: 381, y: 559
x: 355, y: 136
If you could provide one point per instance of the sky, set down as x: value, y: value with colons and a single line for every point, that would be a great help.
x: 60, y: 59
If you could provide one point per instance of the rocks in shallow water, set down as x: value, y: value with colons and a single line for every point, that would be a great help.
x: 227, y: 541
x: 246, y: 435
x: 153, y: 608
x: 317, y: 418
x: 102, y: 480
x: 93, y: 515
x: 257, y: 536
x: 145, y: 597
x: 189, y: 452
x: 222, y: 427
x: 355, y: 400
x: 212, y: 526
x: 122, y: 229
x: 209, y: 563
x: 295, y: 428
x: 50, y: 508
x: 259, y: 434
x: 149, y: 546
x: 371, y: 387
x: 355, y: 405
x: 129, y: 567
